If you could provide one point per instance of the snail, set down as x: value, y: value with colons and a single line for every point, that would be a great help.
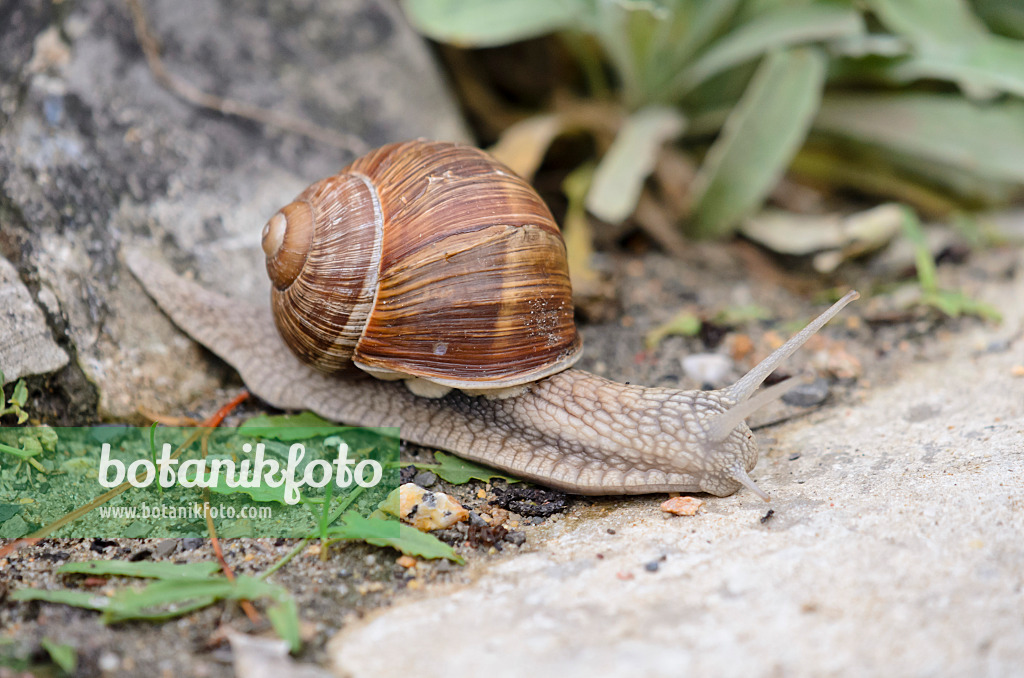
x: 417, y: 247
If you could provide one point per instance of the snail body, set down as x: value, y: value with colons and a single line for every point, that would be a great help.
x: 560, y: 427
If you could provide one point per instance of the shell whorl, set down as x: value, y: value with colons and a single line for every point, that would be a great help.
x: 323, y: 308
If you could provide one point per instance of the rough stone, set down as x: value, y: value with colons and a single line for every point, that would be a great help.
x: 894, y: 549
x: 95, y: 154
x: 26, y: 344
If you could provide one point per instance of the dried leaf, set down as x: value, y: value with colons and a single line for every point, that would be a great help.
x: 523, y: 145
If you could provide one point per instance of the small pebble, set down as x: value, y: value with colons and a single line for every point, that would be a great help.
x: 165, y: 548
x: 425, y: 478
x: 108, y: 662
x: 611, y: 531
x: 921, y: 412
x: 427, y: 511
x: 807, y: 395
x: 652, y: 566
x: 794, y: 456
x: 190, y: 543
x: 406, y: 561
x: 624, y: 576
x: 708, y: 368
x: 475, y: 519
x: 517, y: 538
x: 682, y: 506
x: 1017, y: 370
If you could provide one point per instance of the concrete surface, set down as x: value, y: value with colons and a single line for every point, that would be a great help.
x: 896, y: 548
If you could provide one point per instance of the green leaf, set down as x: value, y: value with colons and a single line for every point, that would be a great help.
x: 780, y: 28
x: 995, y: 65
x: 951, y: 43
x: 152, y: 570
x: 284, y: 617
x: 1002, y: 16
x: 169, y: 598
x: 759, y: 139
x: 289, y: 427
x: 64, y: 656
x: 458, y: 471
x: 488, y: 23
x: 393, y: 534
x: 948, y: 21
x: 951, y: 302
x: 262, y: 491
x: 937, y: 128
x: 739, y: 315
x: 685, y: 324
x: 83, y: 599
x: 619, y: 178
x: 183, y: 589
x: 20, y: 395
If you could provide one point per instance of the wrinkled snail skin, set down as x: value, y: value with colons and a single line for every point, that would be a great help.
x: 433, y: 264
x: 572, y: 431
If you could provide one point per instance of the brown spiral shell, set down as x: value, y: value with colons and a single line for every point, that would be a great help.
x: 424, y: 259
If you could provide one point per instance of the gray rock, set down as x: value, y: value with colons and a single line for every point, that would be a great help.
x: 26, y: 344
x: 95, y: 154
x: 425, y: 478
x: 808, y: 395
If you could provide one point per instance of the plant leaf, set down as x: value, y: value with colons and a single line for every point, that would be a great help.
x: 937, y: 128
x: 780, y: 28
x: 261, y: 492
x: 619, y: 178
x: 488, y: 23
x: 288, y: 427
x: 760, y: 137
x: 685, y: 324
x: 948, y: 21
x: 523, y: 145
x: 284, y: 617
x: 20, y: 395
x: 951, y: 43
x: 64, y: 656
x: 152, y: 570
x: 459, y: 471
x: 83, y: 599
x: 393, y: 534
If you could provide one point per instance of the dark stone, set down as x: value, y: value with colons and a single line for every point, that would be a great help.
x: 808, y: 395
x: 532, y: 501
x: 425, y: 478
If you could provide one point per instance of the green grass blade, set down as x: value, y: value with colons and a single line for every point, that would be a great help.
x: 82, y: 599
x: 152, y: 570
x: 760, y: 137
